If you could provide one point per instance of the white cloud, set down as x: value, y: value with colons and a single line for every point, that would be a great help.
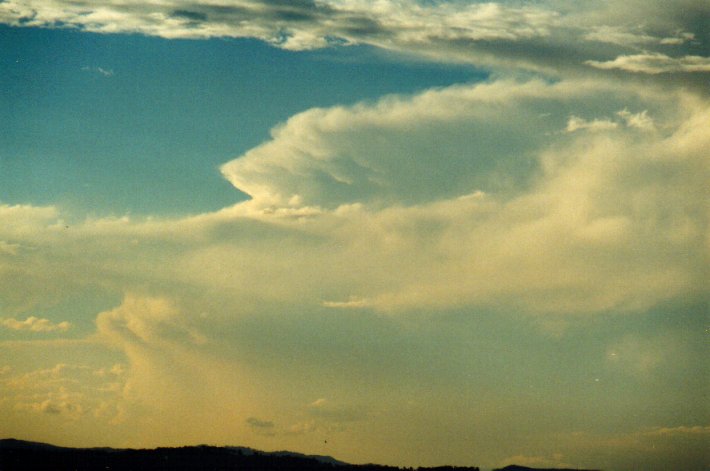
x: 145, y: 320
x: 637, y: 120
x: 623, y: 36
x: 300, y: 26
x: 576, y: 123
x: 548, y: 35
x: 655, y: 63
x: 640, y: 121
x: 679, y: 39
x: 65, y: 390
x: 35, y: 324
x: 24, y: 220
x: 439, y: 144
x: 352, y: 302
x: 371, y: 166
x: 463, y: 196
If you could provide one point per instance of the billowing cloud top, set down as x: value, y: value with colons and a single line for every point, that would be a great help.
x: 637, y: 36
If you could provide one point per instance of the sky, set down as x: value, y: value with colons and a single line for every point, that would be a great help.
x: 406, y: 232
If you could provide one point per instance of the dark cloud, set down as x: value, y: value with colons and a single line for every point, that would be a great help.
x: 190, y: 15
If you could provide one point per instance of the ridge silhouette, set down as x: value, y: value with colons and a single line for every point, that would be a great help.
x: 19, y: 455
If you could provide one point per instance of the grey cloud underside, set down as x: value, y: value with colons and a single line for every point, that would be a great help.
x: 548, y: 36
x: 274, y: 11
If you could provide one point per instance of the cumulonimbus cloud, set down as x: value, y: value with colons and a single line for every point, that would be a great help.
x: 463, y: 196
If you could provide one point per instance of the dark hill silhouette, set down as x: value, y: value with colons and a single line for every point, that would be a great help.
x: 515, y: 467
x: 17, y: 455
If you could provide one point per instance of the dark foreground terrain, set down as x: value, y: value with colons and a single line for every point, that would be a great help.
x: 515, y: 467
x: 17, y: 455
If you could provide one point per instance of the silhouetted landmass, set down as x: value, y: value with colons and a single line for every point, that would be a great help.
x: 515, y: 467
x: 17, y: 455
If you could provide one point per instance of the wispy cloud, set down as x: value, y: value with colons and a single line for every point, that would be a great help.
x: 351, y: 303
x: 98, y: 70
x: 655, y: 63
x: 576, y: 123
x: 641, y: 121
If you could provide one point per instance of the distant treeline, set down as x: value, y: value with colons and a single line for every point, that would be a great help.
x: 17, y: 455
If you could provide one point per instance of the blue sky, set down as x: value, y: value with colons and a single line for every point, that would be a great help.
x: 85, y: 111
x: 412, y: 233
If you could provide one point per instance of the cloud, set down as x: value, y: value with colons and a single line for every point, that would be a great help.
x: 66, y: 390
x: 374, y: 228
x: 35, y: 324
x: 369, y: 225
x: 462, y: 196
x: 22, y: 220
x: 43, y: 377
x: 260, y: 424
x: 294, y: 25
x: 655, y: 63
x: 443, y: 143
x: 7, y: 248
x: 640, y: 121
x: 143, y: 320
x: 64, y: 404
x: 370, y: 169
x: 164, y: 351
x: 98, y: 70
x: 625, y: 37
x: 548, y: 35
x: 682, y: 430
x: 351, y: 303
x: 576, y: 123
x: 637, y: 120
